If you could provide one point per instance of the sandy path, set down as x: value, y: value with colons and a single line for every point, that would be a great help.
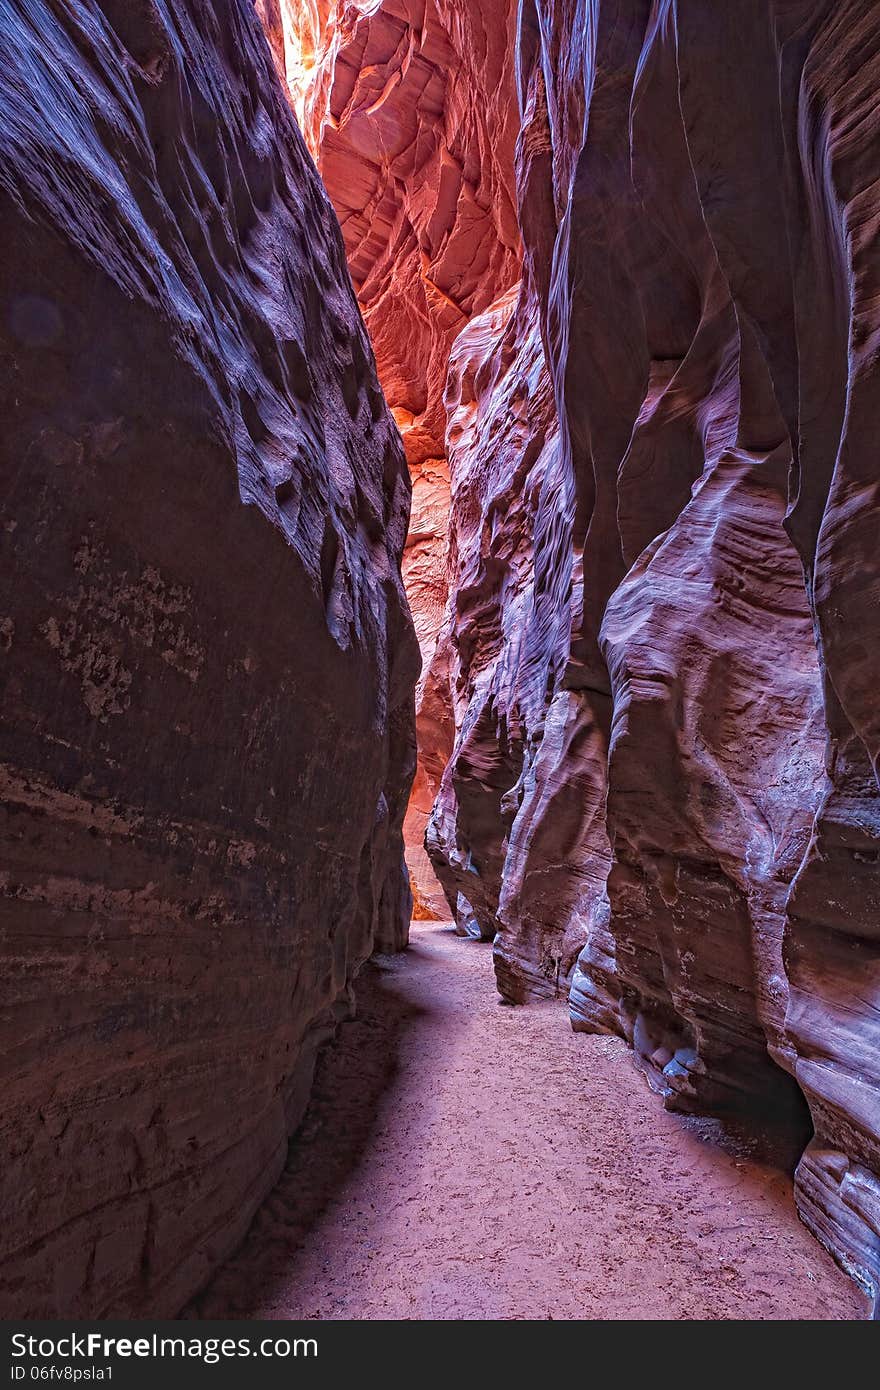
x: 465, y: 1160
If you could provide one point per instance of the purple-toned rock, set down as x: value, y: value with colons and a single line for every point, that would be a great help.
x: 664, y: 570
x: 208, y: 660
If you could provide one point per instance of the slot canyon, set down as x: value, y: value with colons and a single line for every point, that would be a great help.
x: 440, y: 788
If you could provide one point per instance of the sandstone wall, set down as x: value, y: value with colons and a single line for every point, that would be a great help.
x: 664, y: 584
x: 208, y: 662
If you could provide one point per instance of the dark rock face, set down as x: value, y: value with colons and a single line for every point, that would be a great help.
x: 207, y: 656
x: 663, y: 557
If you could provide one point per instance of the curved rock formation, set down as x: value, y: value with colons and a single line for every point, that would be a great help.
x: 663, y: 571
x: 208, y: 659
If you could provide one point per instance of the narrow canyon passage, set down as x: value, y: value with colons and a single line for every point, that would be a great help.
x: 439, y: 479
x: 465, y: 1160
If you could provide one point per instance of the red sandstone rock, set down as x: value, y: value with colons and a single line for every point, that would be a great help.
x: 416, y: 146
x: 511, y: 775
x: 208, y: 661
x: 425, y: 579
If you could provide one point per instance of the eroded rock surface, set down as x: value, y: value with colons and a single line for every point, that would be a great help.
x: 207, y: 657
x: 663, y: 553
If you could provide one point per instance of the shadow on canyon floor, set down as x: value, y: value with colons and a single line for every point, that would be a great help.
x: 461, y: 1160
x: 352, y: 1075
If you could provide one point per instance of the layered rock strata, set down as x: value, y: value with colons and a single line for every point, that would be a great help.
x: 207, y: 656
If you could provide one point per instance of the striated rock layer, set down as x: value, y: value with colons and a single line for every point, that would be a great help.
x: 208, y: 661
x: 663, y: 792
x: 409, y: 107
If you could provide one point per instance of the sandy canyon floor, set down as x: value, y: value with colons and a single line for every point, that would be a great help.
x: 461, y: 1159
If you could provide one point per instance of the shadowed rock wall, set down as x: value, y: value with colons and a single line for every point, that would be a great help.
x: 208, y: 662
